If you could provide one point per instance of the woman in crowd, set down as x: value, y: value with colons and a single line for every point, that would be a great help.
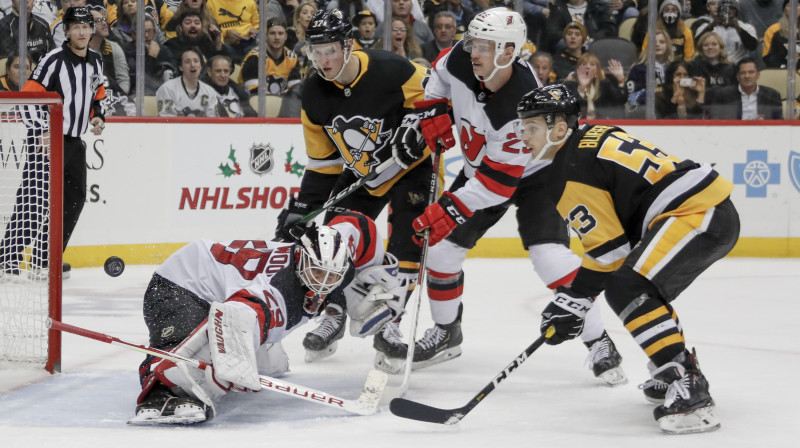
x: 599, y: 96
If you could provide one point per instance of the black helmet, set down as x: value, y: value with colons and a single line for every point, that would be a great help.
x: 77, y: 14
x: 328, y: 26
x: 550, y: 101
x: 363, y: 15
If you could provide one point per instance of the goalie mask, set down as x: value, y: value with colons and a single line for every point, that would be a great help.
x: 322, y: 262
x: 503, y: 28
x: 326, y: 29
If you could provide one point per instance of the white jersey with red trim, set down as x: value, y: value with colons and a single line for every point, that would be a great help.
x: 494, y: 158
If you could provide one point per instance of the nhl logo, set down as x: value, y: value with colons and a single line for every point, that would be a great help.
x: 261, y: 158
x: 794, y: 169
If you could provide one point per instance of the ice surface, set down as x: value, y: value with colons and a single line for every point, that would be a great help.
x: 741, y: 316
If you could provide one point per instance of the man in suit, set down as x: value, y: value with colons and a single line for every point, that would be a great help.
x: 444, y: 33
x: 747, y: 100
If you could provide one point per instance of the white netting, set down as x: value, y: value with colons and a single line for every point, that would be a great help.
x: 24, y: 226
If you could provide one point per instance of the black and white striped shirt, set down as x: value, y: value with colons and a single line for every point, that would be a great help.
x: 79, y: 81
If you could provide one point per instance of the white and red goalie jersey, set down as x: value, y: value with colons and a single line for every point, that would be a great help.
x: 494, y: 158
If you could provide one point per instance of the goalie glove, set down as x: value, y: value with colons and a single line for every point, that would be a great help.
x: 566, y: 314
x: 289, y: 220
x: 233, y: 335
x: 374, y: 297
x: 420, y: 129
x: 441, y: 217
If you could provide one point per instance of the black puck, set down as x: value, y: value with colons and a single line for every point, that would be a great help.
x: 114, y: 266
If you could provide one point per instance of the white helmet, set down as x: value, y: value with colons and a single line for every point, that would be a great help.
x: 502, y: 26
x: 322, y: 262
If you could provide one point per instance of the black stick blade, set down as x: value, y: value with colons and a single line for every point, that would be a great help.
x: 424, y: 413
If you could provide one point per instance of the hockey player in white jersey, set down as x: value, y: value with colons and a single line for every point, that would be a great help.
x: 480, y: 76
x: 231, y: 304
x: 186, y: 95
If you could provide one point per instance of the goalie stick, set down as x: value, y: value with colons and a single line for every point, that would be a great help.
x: 393, y: 392
x: 424, y: 413
x: 346, y: 192
x: 366, y: 404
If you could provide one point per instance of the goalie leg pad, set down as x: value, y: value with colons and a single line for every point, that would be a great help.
x: 233, y: 336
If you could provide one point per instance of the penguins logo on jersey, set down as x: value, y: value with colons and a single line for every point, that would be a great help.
x: 555, y: 94
x: 358, y: 139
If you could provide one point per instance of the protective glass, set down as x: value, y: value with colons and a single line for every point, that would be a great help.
x: 523, y: 129
x: 482, y: 46
x: 322, y: 52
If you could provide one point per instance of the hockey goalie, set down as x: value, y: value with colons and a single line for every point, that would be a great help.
x: 230, y: 304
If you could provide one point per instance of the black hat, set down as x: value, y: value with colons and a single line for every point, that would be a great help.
x: 362, y: 15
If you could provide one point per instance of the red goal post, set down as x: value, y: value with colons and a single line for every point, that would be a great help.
x: 31, y: 213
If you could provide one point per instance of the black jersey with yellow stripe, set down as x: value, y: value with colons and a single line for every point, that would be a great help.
x: 282, y: 73
x: 611, y: 188
x: 350, y: 127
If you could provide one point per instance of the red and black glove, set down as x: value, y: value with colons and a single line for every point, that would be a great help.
x: 441, y: 218
x: 435, y: 122
x: 420, y: 128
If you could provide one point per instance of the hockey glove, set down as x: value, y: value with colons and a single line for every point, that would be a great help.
x: 435, y: 122
x: 408, y: 145
x: 289, y: 220
x: 441, y: 218
x: 565, y: 314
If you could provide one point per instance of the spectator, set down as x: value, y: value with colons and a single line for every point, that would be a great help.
x: 712, y: 61
x: 401, y: 9
x: 444, y: 33
x: 233, y: 99
x: 297, y: 33
x: 171, y: 28
x: 122, y: 26
x: 57, y: 26
x: 463, y: 14
x: 159, y: 62
x: 282, y: 9
x: 761, y: 13
x: 283, y: 71
x: 712, y: 6
x: 776, y: 39
x: 594, y: 15
x: 40, y: 41
x: 599, y: 96
x: 48, y: 10
x: 238, y: 20
x: 574, y: 41
x: 115, y: 67
x: 404, y: 42
x: 186, y: 95
x: 683, y: 94
x: 10, y: 82
x: 637, y: 77
x: 739, y: 37
x: 350, y: 8
x: 192, y: 32
x: 364, y: 35
x: 542, y: 63
x: 121, y: 18
x: 747, y: 100
x: 669, y: 19
x: 622, y: 10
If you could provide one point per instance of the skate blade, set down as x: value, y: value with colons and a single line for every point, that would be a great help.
x: 700, y: 420
x: 392, y: 366
x: 614, y: 377
x: 316, y: 355
x: 155, y: 419
x: 445, y: 355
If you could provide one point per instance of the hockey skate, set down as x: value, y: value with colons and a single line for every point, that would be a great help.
x: 654, y: 390
x: 163, y: 407
x: 605, y: 361
x: 391, y: 349
x: 688, y: 406
x: 321, y: 342
x: 440, y: 343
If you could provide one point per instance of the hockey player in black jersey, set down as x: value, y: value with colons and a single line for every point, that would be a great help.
x: 352, y: 105
x: 650, y: 223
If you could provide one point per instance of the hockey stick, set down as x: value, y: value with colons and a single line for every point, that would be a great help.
x: 366, y: 404
x: 393, y: 392
x: 424, y: 413
x: 346, y: 192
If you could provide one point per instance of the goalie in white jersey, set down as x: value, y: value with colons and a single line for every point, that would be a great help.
x: 231, y: 304
x: 480, y: 76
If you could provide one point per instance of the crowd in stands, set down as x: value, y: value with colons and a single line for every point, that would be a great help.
x: 708, y: 53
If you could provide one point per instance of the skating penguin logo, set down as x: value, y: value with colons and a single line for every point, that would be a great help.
x: 358, y: 140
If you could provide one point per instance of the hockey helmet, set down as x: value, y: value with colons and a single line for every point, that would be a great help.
x: 322, y: 262
x: 548, y: 102
x: 77, y: 14
x: 500, y: 26
x: 363, y: 15
x: 328, y: 26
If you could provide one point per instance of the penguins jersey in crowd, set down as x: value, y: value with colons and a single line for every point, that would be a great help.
x: 261, y: 274
x: 494, y: 158
x: 598, y: 163
x: 351, y: 126
x: 174, y: 100
x: 282, y: 74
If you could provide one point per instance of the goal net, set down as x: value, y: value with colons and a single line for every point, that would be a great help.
x: 31, y: 164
